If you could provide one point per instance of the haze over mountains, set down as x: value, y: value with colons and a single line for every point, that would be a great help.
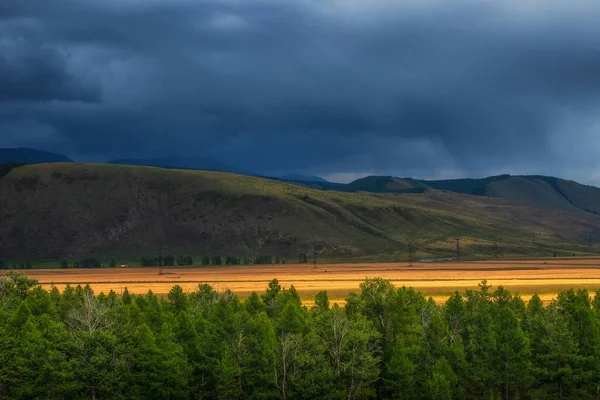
x: 23, y: 155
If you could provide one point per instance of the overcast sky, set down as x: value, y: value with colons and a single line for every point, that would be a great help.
x: 338, y: 88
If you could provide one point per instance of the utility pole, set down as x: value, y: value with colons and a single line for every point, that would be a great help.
x: 410, y: 254
x: 590, y: 238
x: 496, y: 250
x: 2, y: 261
x: 314, y: 254
x: 458, y: 249
x: 561, y: 241
x: 534, y: 237
x: 160, y: 255
x: 160, y: 234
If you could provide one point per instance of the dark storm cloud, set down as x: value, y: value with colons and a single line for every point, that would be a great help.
x: 41, y: 75
x: 332, y: 87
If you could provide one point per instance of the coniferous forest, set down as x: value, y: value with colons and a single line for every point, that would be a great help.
x: 386, y: 343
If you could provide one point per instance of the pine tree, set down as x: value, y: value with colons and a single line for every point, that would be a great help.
x: 322, y: 301
x: 254, y: 304
x: 271, y: 298
x: 156, y: 370
x: 178, y: 299
x: 511, y: 355
x: 478, y: 335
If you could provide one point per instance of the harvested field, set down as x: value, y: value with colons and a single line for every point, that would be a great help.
x: 545, y: 277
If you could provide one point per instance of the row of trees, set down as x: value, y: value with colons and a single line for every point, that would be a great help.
x: 166, y: 261
x: 15, y: 264
x: 237, y: 260
x: 90, y: 262
x: 386, y: 343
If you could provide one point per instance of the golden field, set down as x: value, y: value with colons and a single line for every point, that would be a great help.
x: 438, y: 280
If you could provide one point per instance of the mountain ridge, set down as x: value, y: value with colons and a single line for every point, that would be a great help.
x: 26, y: 155
x: 191, y: 163
x: 539, y: 190
x: 75, y: 210
x: 302, y: 178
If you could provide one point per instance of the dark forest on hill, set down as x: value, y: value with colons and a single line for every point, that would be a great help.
x: 386, y: 343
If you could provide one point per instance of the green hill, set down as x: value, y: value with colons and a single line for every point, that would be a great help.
x: 68, y: 210
x: 541, y: 191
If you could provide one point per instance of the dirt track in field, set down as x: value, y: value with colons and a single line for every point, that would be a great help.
x: 434, y: 279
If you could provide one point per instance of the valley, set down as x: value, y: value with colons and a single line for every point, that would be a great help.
x: 436, y: 280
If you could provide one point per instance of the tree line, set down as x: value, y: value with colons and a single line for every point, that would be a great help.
x: 386, y: 343
x: 15, y: 264
x: 160, y: 261
x: 166, y: 261
x: 210, y: 260
x: 241, y: 260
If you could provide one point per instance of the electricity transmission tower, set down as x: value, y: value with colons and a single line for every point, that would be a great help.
x: 458, y: 249
x: 561, y: 241
x: 160, y: 260
x: 160, y: 253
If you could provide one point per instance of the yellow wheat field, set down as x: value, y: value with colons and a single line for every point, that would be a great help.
x: 545, y: 277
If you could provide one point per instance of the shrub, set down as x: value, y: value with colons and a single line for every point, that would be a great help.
x: 302, y: 258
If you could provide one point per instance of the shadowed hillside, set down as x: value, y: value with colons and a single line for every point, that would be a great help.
x: 541, y: 191
x: 69, y: 210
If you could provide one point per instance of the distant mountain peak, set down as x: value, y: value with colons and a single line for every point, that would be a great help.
x: 26, y: 155
x: 302, y: 178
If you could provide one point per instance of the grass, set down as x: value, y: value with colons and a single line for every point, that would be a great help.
x: 74, y: 211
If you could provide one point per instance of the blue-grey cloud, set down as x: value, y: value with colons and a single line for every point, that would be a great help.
x: 33, y: 74
x: 414, y: 88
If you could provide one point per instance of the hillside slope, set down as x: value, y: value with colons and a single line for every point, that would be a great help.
x: 193, y: 163
x: 540, y: 191
x: 75, y: 210
x: 302, y: 178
